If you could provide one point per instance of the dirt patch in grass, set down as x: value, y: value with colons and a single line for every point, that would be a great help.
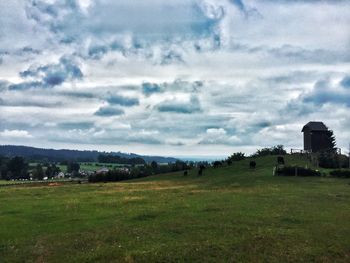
x: 54, y: 184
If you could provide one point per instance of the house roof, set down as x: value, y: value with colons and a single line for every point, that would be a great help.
x: 315, y: 126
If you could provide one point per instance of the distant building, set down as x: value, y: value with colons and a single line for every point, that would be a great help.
x: 315, y: 137
x: 124, y: 170
x: 103, y: 170
x: 60, y: 175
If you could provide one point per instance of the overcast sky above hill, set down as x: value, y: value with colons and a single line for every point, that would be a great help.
x: 175, y: 77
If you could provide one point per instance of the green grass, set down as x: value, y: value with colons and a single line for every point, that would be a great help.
x: 230, y: 214
x: 3, y: 182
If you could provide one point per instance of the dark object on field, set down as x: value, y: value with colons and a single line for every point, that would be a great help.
x: 252, y: 164
x: 280, y: 160
x: 201, y: 168
x: 185, y: 173
x: 296, y: 171
x: 340, y: 173
x: 217, y: 164
x: 79, y: 182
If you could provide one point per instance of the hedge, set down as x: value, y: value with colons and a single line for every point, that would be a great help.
x: 340, y: 173
x: 295, y: 170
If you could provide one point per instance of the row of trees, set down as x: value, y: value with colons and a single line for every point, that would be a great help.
x: 275, y: 150
x: 17, y: 168
x: 238, y: 156
x: 38, y: 173
x: 140, y: 171
x: 13, y: 168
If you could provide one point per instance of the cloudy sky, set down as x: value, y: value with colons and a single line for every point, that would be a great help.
x: 175, y: 77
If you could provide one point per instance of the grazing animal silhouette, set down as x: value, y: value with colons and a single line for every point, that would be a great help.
x: 252, y: 164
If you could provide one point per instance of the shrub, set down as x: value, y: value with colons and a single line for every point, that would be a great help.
x: 112, y: 176
x: 340, y: 173
x: 238, y: 156
x: 295, y: 170
x: 276, y: 150
x: 217, y: 164
x: 329, y: 159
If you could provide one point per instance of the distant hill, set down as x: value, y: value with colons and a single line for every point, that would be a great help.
x: 80, y: 156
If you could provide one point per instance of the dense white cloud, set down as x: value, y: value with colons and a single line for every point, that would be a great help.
x: 176, y: 77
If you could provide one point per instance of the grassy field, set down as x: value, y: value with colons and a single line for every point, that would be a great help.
x: 230, y: 214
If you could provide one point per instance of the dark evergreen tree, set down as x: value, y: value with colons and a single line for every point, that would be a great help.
x: 17, y: 168
x: 331, y: 140
x: 38, y: 172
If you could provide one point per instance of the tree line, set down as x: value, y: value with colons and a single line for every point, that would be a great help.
x: 18, y: 168
x: 140, y: 171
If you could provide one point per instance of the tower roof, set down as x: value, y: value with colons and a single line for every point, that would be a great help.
x: 315, y: 126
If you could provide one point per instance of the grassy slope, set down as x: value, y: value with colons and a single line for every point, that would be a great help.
x: 229, y: 214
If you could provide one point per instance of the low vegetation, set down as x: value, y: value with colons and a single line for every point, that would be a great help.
x: 296, y: 171
x: 340, y: 173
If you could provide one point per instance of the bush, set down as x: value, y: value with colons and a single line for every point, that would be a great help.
x: 340, y: 173
x: 276, y: 150
x: 217, y: 164
x: 295, y: 170
x: 238, y: 156
x: 112, y: 176
x: 329, y: 159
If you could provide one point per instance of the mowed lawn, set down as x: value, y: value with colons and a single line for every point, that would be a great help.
x: 231, y: 214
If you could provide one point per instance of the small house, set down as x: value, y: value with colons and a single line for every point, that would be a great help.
x: 102, y: 170
x: 316, y: 137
